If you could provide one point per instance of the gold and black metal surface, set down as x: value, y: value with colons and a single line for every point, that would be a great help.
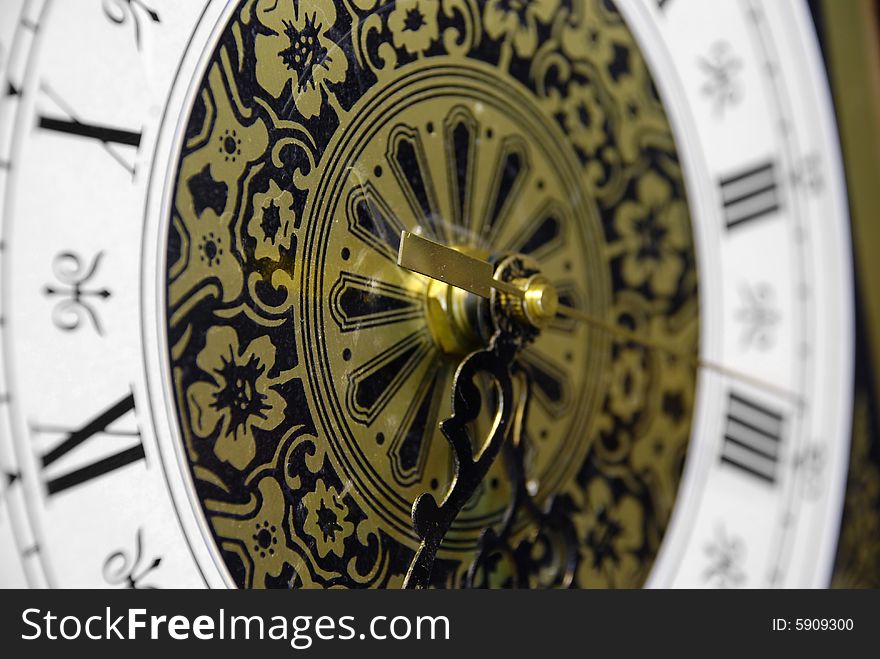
x: 311, y: 371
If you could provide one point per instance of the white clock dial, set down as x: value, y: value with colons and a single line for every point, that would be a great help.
x: 87, y: 84
x: 96, y: 488
x: 777, y: 301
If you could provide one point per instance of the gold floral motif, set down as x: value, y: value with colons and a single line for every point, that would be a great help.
x: 256, y: 231
x: 212, y: 257
x: 517, y: 21
x: 237, y: 139
x: 659, y: 453
x: 587, y: 37
x: 601, y: 46
x: 639, y: 120
x: 611, y: 533
x: 413, y: 25
x: 310, y: 62
x: 272, y: 221
x: 239, y: 397
x: 259, y: 535
x: 326, y: 519
x: 584, y: 118
x: 653, y: 231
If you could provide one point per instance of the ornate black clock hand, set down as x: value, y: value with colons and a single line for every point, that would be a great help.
x: 539, y: 301
x: 553, y: 530
x: 521, y: 302
x: 432, y: 520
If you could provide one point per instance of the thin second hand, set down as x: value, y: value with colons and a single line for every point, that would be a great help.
x: 474, y: 275
x: 691, y: 359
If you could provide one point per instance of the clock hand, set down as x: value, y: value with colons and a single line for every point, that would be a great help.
x: 451, y: 266
x: 553, y: 531
x: 431, y: 521
x: 540, y: 301
x: 495, y: 363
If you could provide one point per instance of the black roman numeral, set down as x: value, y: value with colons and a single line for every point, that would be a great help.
x: 750, y: 194
x: 102, y: 133
x: 75, y: 438
x: 110, y: 138
x: 752, y: 438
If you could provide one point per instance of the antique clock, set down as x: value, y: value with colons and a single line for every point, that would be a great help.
x: 425, y: 293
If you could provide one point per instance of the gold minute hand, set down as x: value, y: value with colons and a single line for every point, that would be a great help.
x: 476, y: 276
x: 450, y: 266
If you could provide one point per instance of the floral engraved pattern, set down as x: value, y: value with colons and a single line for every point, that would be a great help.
x: 413, y: 25
x: 326, y: 519
x: 589, y: 35
x: 272, y: 222
x: 238, y: 399
x: 261, y: 536
x: 516, y: 21
x: 298, y: 34
x: 652, y: 230
x: 237, y: 138
x: 319, y: 131
x: 612, y: 534
x: 584, y: 118
x: 212, y: 256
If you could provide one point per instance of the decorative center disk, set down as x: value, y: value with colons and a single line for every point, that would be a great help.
x: 311, y: 372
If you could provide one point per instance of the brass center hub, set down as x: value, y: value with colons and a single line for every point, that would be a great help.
x: 539, y: 302
x: 454, y: 314
x: 461, y: 322
x: 453, y: 318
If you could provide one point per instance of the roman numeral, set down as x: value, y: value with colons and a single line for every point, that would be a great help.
x: 752, y: 438
x: 102, y: 133
x: 61, y: 480
x: 749, y: 195
x: 109, y: 137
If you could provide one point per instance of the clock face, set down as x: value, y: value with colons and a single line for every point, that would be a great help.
x: 221, y: 367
